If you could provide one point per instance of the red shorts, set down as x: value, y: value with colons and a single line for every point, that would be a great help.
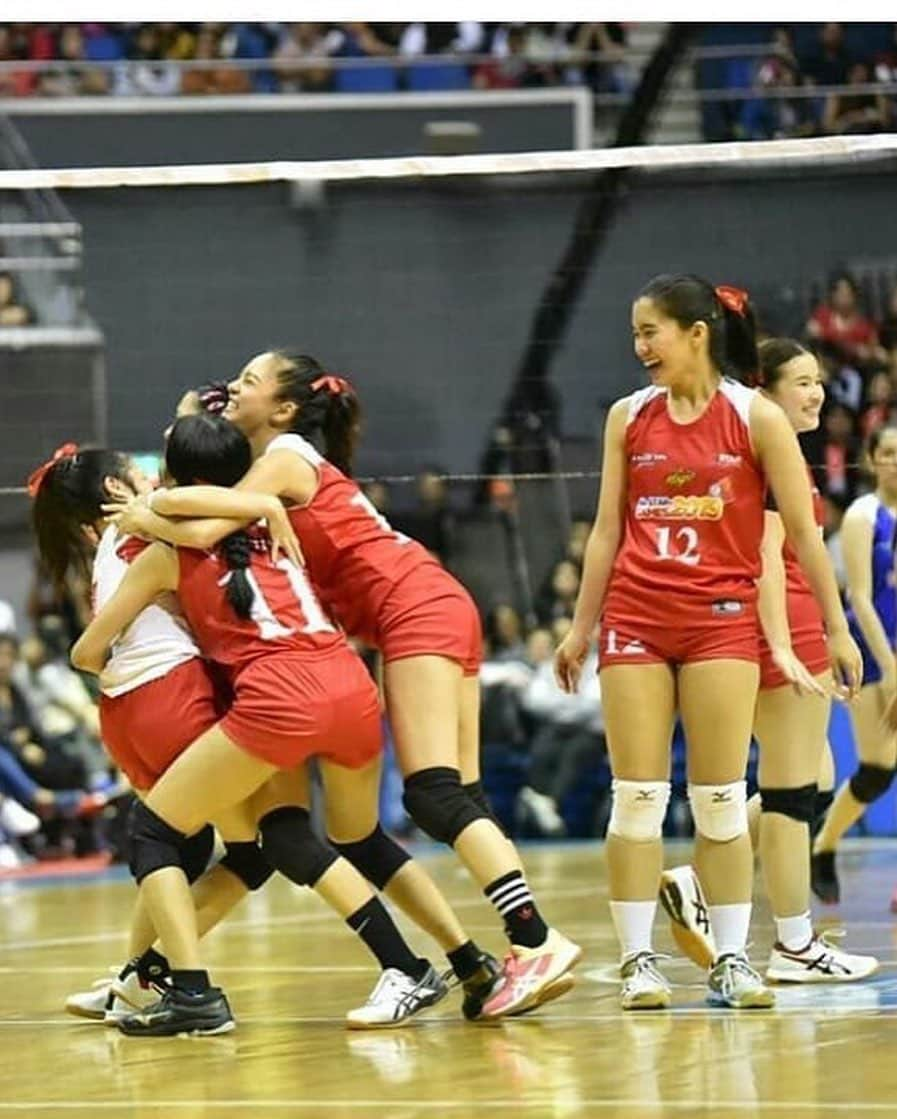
x: 807, y: 640
x: 146, y: 729
x: 289, y: 707
x: 673, y: 632
x: 429, y: 613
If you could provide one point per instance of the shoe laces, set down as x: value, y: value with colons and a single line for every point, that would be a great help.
x: 736, y: 964
x: 647, y: 962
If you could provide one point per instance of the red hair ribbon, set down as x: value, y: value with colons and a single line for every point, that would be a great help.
x: 336, y: 386
x: 35, y: 479
x: 733, y: 299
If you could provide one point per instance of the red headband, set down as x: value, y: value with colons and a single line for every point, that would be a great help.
x: 336, y: 386
x: 733, y: 299
x: 35, y: 479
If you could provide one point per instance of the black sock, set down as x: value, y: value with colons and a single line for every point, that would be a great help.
x: 152, y: 967
x: 377, y: 929
x: 465, y: 960
x: 191, y: 982
x: 511, y: 897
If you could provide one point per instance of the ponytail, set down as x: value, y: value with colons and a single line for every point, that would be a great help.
x: 327, y: 406
x: 727, y: 312
x: 237, y: 550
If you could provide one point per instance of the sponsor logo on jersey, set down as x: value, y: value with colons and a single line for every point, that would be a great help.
x: 648, y: 458
x: 726, y: 607
x: 680, y: 476
x: 723, y: 488
x: 680, y: 507
x: 728, y: 460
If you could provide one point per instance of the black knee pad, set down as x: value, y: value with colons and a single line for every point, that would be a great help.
x: 154, y: 845
x: 823, y: 803
x: 870, y: 781
x: 247, y: 861
x: 477, y: 794
x: 438, y: 805
x: 196, y: 852
x: 377, y: 856
x: 797, y: 804
x: 292, y: 847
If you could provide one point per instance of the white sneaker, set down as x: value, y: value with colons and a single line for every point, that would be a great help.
x: 9, y: 857
x: 533, y: 976
x: 819, y: 962
x: 644, y: 988
x: 108, y: 1000
x: 733, y: 983
x: 396, y: 998
x: 682, y: 898
x: 544, y: 812
x: 16, y: 820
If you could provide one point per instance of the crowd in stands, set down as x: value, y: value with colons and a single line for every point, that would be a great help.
x: 152, y: 59
x: 857, y: 81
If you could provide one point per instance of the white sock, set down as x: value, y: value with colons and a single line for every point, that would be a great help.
x: 730, y: 924
x: 633, y: 921
x: 794, y: 933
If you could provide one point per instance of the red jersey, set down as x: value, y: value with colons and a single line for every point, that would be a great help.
x: 286, y: 615
x: 795, y: 580
x: 355, y: 558
x: 694, y: 502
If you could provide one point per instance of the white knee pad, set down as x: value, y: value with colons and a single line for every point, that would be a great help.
x: 719, y: 811
x: 638, y: 809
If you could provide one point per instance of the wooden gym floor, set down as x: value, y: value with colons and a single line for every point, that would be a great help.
x: 291, y: 970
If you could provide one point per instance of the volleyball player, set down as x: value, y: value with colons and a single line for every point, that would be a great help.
x: 790, y: 722
x: 388, y: 591
x: 317, y: 656
x: 671, y: 569
x: 867, y: 539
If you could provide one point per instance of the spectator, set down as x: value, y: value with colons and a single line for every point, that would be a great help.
x: 840, y: 323
x: 887, y: 330
x: 379, y: 496
x: 856, y: 112
x: 222, y: 79
x: 253, y: 41
x: 840, y: 453
x: 311, y: 45
x: 72, y: 79
x: 14, y: 48
x: 366, y: 40
x: 432, y: 521
x: 885, y: 72
x: 771, y: 118
x: 504, y: 632
x: 13, y: 311
x: 577, y: 541
x: 879, y: 404
x: 145, y: 73
x: 558, y: 596
x: 510, y: 68
x: 611, y: 73
x: 465, y: 37
x: 829, y: 63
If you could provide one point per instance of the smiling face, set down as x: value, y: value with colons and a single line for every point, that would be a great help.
x: 883, y: 460
x: 799, y: 392
x: 667, y: 350
x: 252, y: 397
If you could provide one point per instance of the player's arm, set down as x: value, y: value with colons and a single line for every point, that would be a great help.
x: 779, y: 454
x: 772, y: 606
x: 153, y: 572
x: 856, y: 545
x: 601, y: 550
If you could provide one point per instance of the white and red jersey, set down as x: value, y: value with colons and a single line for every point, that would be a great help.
x: 355, y: 558
x: 156, y: 642
x: 795, y: 580
x: 695, y: 496
x: 286, y: 615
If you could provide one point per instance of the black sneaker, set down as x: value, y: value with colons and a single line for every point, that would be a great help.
x: 824, y: 877
x: 178, y: 1012
x: 481, y: 986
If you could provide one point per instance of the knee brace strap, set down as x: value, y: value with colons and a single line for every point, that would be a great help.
x: 248, y: 863
x: 719, y: 811
x: 196, y: 852
x: 797, y: 804
x: 638, y: 809
x: 870, y: 781
x: 438, y: 805
x: 291, y: 846
x: 154, y: 844
x: 377, y: 856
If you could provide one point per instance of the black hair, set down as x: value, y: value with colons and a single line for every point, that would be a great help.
x: 689, y: 299
x: 774, y: 354
x: 875, y: 437
x: 69, y: 495
x: 327, y: 406
x: 206, y: 448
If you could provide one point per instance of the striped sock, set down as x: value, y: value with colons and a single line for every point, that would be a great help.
x: 512, y: 898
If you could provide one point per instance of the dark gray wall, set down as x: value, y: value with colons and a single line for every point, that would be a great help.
x: 141, y: 137
x: 424, y: 293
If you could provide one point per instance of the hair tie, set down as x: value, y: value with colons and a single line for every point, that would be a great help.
x: 213, y: 397
x: 36, y: 478
x: 336, y: 386
x: 733, y: 299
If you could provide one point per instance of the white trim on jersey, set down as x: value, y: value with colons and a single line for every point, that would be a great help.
x: 740, y: 397
x: 289, y: 441
x: 867, y: 506
x: 639, y: 399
